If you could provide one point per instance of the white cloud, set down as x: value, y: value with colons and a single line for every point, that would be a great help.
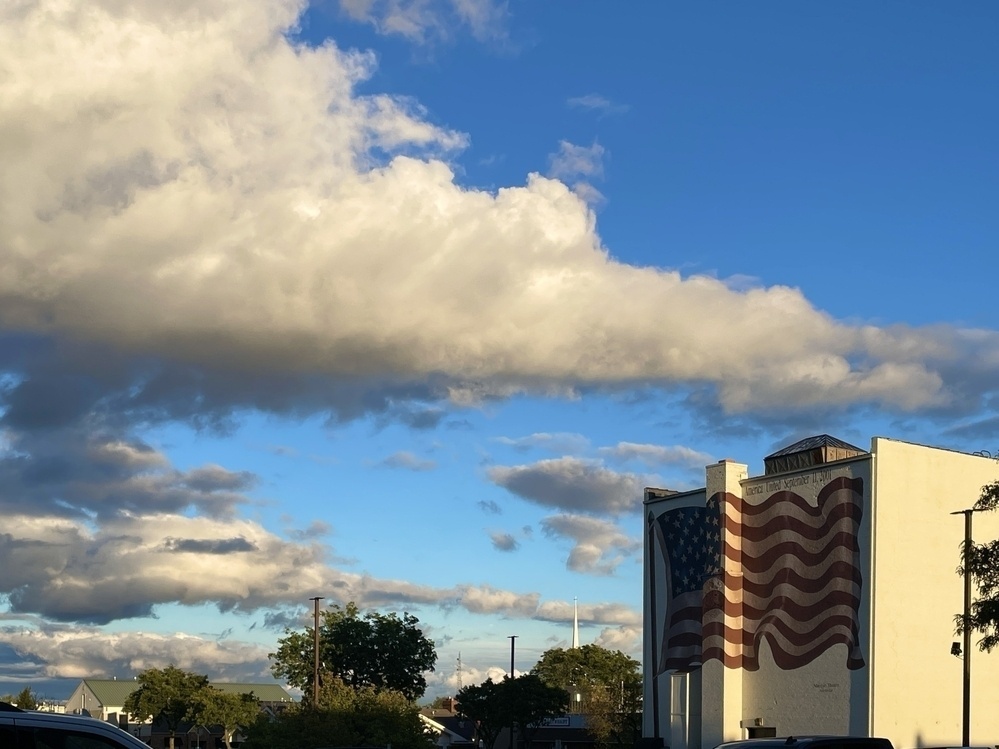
x: 578, y: 166
x: 558, y: 442
x: 597, y: 103
x: 64, y: 570
x: 247, y: 223
x: 599, y: 546
x: 573, y: 161
x: 655, y: 456
x: 626, y: 639
x: 81, y: 653
x: 422, y: 21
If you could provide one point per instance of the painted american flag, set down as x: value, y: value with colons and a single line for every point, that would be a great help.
x: 690, y: 541
x: 784, y: 570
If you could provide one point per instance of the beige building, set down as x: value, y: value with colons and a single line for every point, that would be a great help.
x: 819, y: 597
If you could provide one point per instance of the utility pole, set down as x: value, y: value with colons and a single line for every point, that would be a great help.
x: 966, y: 622
x: 315, y: 648
x: 513, y: 640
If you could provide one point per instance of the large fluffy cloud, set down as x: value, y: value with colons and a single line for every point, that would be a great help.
x: 184, y: 184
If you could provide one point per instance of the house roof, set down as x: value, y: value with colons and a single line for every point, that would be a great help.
x: 810, y: 443
x: 112, y: 692
x: 263, y: 692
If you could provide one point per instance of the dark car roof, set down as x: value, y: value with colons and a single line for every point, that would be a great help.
x: 803, y: 742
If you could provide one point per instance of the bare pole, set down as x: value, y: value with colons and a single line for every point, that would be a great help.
x: 315, y: 649
x: 513, y: 640
x: 966, y: 629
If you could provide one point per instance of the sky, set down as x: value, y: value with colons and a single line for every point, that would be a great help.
x: 404, y: 302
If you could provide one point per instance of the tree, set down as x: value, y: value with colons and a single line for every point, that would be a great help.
x: 604, y: 684
x: 166, y: 695
x: 26, y: 699
x: 525, y: 702
x: 484, y: 704
x: 213, y: 707
x: 531, y: 702
x: 346, y: 716
x: 375, y: 650
x: 983, y: 565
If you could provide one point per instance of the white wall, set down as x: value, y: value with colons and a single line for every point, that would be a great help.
x: 917, y: 683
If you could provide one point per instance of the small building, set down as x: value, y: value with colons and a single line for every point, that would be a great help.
x: 448, y: 728
x: 105, y: 699
x: 817, y: 598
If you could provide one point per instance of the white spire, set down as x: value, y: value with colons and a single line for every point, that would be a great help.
x: 575, y: 624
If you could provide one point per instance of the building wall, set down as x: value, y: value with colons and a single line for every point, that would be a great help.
x: 669, y: 702
x: 916, y: 682
x: 823, y: 695
x: 84, y: 699
x: 909, y: 688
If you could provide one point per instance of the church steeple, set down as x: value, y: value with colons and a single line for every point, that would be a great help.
x: 575, y: 624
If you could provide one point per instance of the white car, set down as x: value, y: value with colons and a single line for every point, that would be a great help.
x: 33, y: 729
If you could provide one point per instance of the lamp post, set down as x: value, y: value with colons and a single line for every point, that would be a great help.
x: 966, y: 628
x: 315, y: 648
x: 513, y: 640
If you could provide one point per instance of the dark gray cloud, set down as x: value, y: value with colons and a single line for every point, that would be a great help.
x: 214, y: 478
x: 573, y: 484
x: 73, y: 471
x: 407, y: 461
x: 489, y: 507
x: 210, y: 545
x: 317, y: 529
x: 502, y: 541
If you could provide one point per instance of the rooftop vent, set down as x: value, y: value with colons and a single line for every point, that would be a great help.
x: 811, y: 451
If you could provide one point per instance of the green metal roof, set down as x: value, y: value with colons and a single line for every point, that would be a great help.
x: 113, y: 693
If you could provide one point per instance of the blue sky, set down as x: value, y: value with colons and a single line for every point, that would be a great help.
x: 405, y: 301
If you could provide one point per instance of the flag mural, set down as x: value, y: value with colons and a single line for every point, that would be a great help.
x: 784, y: 570
x: 690, y: 541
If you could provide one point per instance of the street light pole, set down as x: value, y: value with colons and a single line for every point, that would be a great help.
x: 966, y: 629
x: 513, y: 640
x: 315, y: 649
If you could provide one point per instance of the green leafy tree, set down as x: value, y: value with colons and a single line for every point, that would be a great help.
x: 531, y: 702
x: 166, y: 695
x: 485, y: 705
x: 232, y: 712
x: 983, y: 565
x: 26, y: 699
x: 604, y: 684
x: 525, y: 702
x: 347, y: 716
x: 382, y: 651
